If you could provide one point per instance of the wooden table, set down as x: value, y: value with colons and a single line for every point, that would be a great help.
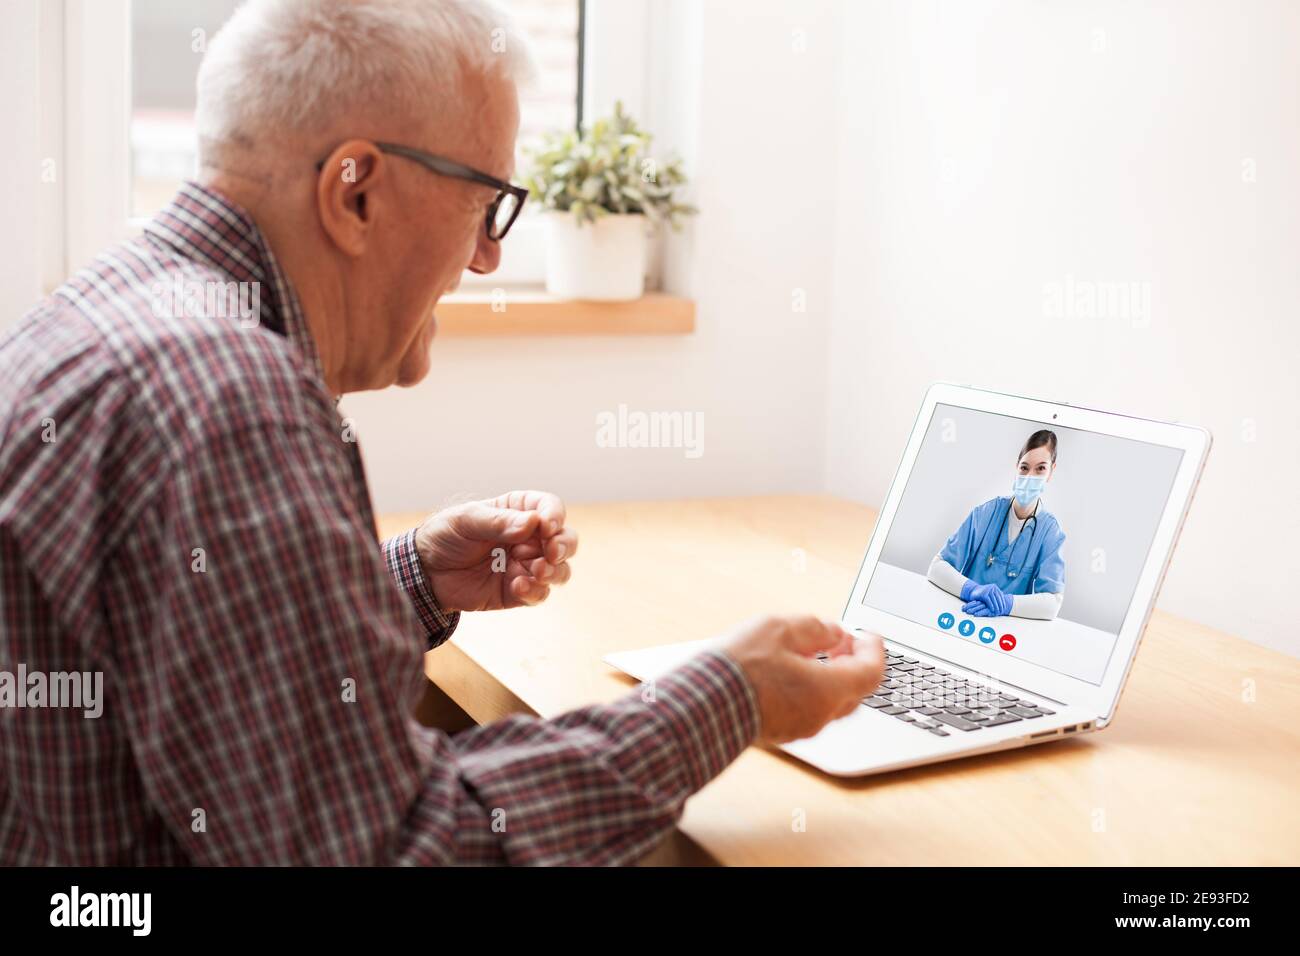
x: 1202, y: 765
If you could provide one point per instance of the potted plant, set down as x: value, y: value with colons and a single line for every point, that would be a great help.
x: 603, y: 193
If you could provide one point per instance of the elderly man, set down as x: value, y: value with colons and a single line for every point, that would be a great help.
x: 183, y: 512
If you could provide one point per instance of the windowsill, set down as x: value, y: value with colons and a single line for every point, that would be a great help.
x: 472, y: 314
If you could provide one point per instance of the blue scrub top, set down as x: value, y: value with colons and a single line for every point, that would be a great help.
x: 1035, y: 556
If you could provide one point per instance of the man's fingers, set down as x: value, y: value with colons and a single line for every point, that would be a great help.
x: 481, y: 522
x: 539, y: 569
x: 556, y: 550
x: 549, y: 507
x: 530, y: 549
x: 529, y: 591
x: 858, y: 673
x: 843, y: 640
x: 562, y: 546
x: 808, y: 635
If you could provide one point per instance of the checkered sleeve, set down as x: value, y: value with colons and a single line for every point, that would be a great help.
x: 601, y: 785
x: 404, y: 564
x: 272, y: 694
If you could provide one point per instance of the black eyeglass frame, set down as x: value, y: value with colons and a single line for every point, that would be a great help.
x: 449, y: 167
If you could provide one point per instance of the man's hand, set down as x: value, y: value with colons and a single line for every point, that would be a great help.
x: 504, y: 552
x: 798, y: 695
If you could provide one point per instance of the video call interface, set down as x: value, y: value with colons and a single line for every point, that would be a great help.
x: 1024, y: 537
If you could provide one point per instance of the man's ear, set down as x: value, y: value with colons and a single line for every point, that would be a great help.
x: 345, y: 188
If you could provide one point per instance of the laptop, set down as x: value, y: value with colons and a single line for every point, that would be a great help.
x: 1012, y: 572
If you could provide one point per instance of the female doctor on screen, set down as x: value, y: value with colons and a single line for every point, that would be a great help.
x: 1006, y: 556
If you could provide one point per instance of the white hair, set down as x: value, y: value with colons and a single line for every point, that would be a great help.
x: 301, y: 65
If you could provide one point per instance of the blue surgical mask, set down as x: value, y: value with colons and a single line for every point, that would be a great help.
x: 1027, y: 488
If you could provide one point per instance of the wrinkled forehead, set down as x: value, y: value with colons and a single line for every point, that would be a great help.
x: 479, y: 127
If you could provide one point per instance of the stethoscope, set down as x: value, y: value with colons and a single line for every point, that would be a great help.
x: 1011, y: 553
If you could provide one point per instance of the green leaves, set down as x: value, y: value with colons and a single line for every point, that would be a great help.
x: 607, y: 169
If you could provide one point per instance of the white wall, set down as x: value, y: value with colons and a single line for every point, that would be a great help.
x: 988, y: 150
x: 743, y: 107
x: 20, y: 161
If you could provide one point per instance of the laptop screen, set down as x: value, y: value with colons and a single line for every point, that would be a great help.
x: 1023, y: 537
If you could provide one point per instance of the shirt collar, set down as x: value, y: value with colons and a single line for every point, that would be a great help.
x: 204, y: 226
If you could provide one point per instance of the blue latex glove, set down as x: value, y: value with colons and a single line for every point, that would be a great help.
x: 985, y: 600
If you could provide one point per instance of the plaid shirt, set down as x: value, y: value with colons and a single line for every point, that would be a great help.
x: 183, y: 512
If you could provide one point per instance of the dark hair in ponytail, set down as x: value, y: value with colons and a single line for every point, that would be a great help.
x: 1043, y: 438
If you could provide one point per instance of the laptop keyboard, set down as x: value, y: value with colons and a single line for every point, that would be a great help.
x: 939, y: 702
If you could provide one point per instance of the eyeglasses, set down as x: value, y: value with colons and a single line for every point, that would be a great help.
x: 503, y: 211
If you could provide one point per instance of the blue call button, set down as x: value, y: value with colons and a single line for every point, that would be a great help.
x: 966, y: 628
x: 946, y: 620
x: 988, y: 635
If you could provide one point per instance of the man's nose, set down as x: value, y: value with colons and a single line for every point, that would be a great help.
x: 487, y: 255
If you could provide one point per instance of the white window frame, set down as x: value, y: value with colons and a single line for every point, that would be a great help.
x: 96, y: 115
x: 96, y: 126
x: 615, y: 57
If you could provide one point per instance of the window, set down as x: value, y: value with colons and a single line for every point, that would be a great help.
x: 167, y: 42
x: 552, y: 30
x: 127, y: 109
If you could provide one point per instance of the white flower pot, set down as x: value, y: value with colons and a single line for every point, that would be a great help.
x: 603, y: 260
